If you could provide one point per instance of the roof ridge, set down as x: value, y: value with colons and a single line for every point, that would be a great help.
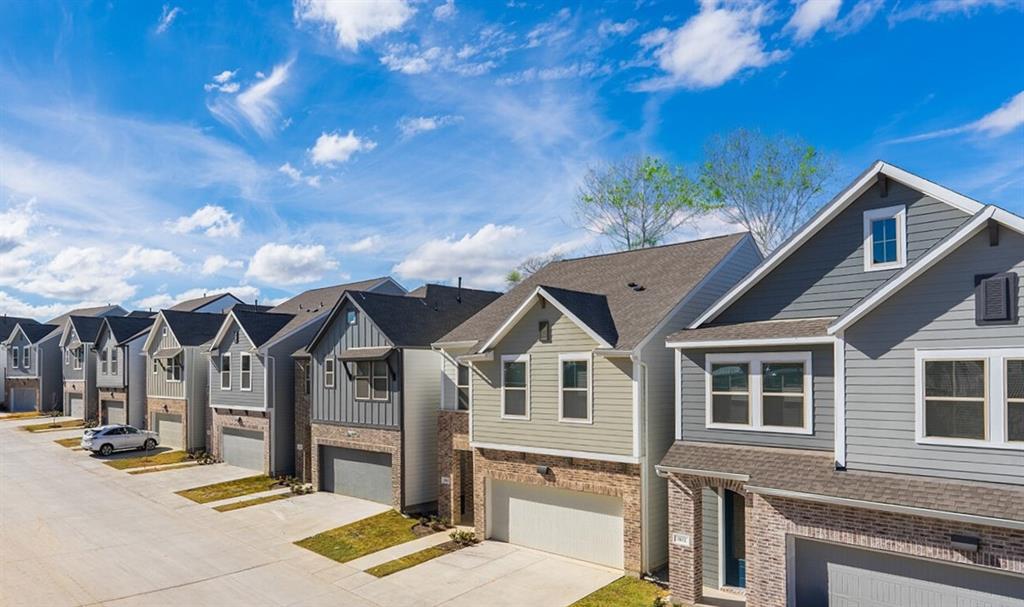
x: 660, y: 246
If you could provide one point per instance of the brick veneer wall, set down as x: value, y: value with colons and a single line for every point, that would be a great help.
x: 77, y: 386
x: 116, y: 394
x: 303, y: 456
x: 359, y: 437
x: 174, y: 406
x: 256, y: 421
x: 24, y: 383
x: 587, y: 475
x: 452, y: 438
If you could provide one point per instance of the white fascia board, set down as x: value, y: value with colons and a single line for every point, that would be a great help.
x: 159, y: 322
x: 223, y: 330
x: 914, y: 270
x: 528, y: 303
x: 744, y: 343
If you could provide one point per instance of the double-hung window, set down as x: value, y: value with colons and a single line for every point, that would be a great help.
x: 328, y: 372
x: 372, y: 380
x: 574, y: 388
x: 515, y: 386
x: 79, y: 356
x: 225, y: 371
x: 245, y: 371
x: 173, y: 369
x: 105, y: 362
x: 765, y: 391
x: 462, y: 387
x: 970, y: 397
x: 15, y: 360
x: 885, y: 238
x: 115, y: 356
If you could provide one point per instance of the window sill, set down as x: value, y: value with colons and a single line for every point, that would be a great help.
x: 934, y: 441
x: 878, y: 267
x: 578, y: 422
x: 515, y: 418
x: 761, y: 429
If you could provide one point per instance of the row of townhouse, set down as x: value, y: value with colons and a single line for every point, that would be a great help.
x: 839, y: 423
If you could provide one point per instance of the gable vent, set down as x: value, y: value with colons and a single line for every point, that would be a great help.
x: 995, y: 299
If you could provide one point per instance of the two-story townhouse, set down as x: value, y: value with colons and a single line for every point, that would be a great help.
x: 373, y: 393
x: 33, y: 374
x: 850, y: 426
x: 121, y: 369
x: 251, y: 382
x: 7, y: 324
x: 80, y: 396
x: 567, y: 394
x: 177, y: 352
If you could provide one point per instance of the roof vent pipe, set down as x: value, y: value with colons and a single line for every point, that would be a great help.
x: 458, y: 298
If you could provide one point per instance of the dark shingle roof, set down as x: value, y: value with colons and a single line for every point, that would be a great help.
x: 310, y: 304
x: 421, y: 317
x: 590, y: 308
x: 87, y: 327
x: 764, y: 329
x: 142, y: 314
x: 193, y: 328
x: 191, y: 305
x: 7, y: 324
x: 261, y: 326
x: 814, y: 472
x: 664, y: 274
x: 36, y: 331
x: 125, y: 327
x: 95, y: 311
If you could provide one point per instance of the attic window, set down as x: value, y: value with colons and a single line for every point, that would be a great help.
x: 350, y: 317
x: 885, y: 238
x: 995, y: 299
x: 544, y: 331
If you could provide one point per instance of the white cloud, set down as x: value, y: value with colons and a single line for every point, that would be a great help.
x: 930, y: 10
x: 167, y: 17
x: 482, y: 259
x: 355, y: 22
x: 562, y: 72
x: 213, y: 220
x: 143, y: 260
x: 224, y: 76
x: 366, y: 245
x: 14, y: 225
x: 411, y: 126
x: 860, y: 15
x: 332, y: 148
x: 297, y: 176
x: 289, y: 264
x: 12, y: 306
x: 1006, y: 119
x: 712, y: 47
x: 256, y: 106
x: 550, y: 32
x: 810, y: 16
x: 223, y: 82
x: 607, y: 27
x: 409, y: 59
x: 216, y: 263
x: 445, y: 11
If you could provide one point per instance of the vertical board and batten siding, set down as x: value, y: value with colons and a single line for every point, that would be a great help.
x: 236, y: 343
x: 935, y: 311
x: 22, y: 370
x: 156, y: 383
x: 108, y: 379
x: 196, y: 374
x: 68, y: 370
x: 612, y: 429
x: 419, y: 430
x: 823, y: 397
x: 709, y: 537
x: 660, y: 405
x: 826, y: 276
x: 339, y: 404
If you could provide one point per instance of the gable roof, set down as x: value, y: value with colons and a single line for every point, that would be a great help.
x: 34, y: 331
x: 191, y: 305
x: 7, y: 324
x: 141, y: 314
x: 94, y: 311
x: 826, y: 214
x: 934, y: 255
x: 663, y: 276
x: 192, y: 328
x: 259, y: 327
x: 125, y: 328
x: 86, y: 327
x: 588, y: 310
x: 415, y: 319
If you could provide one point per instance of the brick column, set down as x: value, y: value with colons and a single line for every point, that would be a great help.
x: 685, y: 563
x: 303, y: 458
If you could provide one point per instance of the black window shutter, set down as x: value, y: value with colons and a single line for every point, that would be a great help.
x: 995, y: 299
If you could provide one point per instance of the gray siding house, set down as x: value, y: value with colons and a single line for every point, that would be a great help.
x: 78, y: 366
x: 852, y: 411
x: 557, y: 400
x: 33, y: 374
x: 374, y: 393
x: 7, y: 324
x: 251, y: 381
x: 121, y: 369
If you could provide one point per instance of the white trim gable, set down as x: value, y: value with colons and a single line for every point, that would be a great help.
x: 223, y: 331
x: 525, y: 307
x: 155, y: 334
x: 826, y: 215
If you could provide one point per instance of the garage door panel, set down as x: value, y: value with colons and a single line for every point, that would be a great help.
x: 115, y: 412
x: 169, y: 427
x: 356, y: 473
x: 579, y: 525
x: 243, y: 448
x: 77, y: 405
x: 23, y: 399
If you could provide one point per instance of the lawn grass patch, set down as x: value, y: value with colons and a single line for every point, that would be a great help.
x: 229, y: 489
x: 23, y: 415
x: 416, y: 558
x: 70, y: 443
x: 157, y: 459
x: 64, y: 425
x: 362, y: 537
x: 624, y: 592
x: 162, y: 469
x: 256, y: 501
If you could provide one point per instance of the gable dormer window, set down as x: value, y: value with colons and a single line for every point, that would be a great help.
x: 885, y: 238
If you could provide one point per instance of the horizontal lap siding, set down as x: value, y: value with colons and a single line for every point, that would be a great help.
x: 612, y: 430
x: 694, y: 396
x: 108, y: 379
x: 936, y: 311
x: 826, y: 275
x: 338, y: 404
x: 236, y: 396
x: 68, y: 370
x: 22, y: 370
x: 156, y: 383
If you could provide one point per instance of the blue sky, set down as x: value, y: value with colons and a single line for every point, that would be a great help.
x: 150, y: 151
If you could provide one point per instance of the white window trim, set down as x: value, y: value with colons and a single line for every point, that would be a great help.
x: 588, y: 358
x: 468, y: 386
x: 1006, y: 391
x: 899, y: 213
x: 515, y: 358
x: 77, y: 362
x: 15, y: 358
x: 226, y: 356
x: 115, y: 363
x: 104, y: 362
x: 331, y: 373
x: 242, y: 372
x: 173, y: 363
x: 996, y: 411
x: 754, y: 360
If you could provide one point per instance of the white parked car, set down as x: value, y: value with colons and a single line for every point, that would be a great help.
x: 107, y: 439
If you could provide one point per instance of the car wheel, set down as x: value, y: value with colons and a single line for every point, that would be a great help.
x: 106, y: 449
x: 150, y: 444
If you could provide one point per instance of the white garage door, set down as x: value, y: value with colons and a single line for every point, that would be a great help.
x: 579, y: 525
x: 23, y: 399
x: 114, y: 412
x: 168, y: 426
x: 77, y: 405
x: 242, y: 448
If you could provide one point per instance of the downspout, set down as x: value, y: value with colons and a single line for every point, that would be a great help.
x: 639, y: 450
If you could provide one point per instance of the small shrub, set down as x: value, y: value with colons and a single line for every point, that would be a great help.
x: 463, y: 538
x: 202, y: 457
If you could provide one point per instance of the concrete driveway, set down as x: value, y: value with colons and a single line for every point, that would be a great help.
x: 76, y: 532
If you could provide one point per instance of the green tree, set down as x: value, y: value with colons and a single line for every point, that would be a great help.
x: 637, y: 202
x: 768, y: 184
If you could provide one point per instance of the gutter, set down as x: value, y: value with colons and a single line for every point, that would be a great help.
x: 665, y: 471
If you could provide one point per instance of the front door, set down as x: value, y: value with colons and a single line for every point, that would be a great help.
x: 735, y: 529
